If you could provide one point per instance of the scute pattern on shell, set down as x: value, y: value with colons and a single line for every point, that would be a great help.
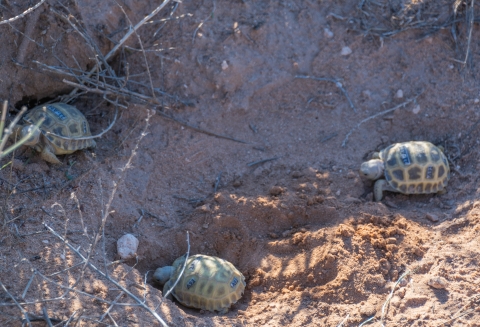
x: 63, y: 120
x: 208, y: 283
x: 415, y: 167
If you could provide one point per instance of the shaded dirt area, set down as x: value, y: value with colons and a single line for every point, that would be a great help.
x: 278, y: 194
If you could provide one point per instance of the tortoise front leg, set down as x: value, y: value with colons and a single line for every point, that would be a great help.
x: 380, y: 186
x: 47, y: 155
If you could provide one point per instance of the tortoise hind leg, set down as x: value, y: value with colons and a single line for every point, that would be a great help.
x: 380, y: 186
x: 49, y: 156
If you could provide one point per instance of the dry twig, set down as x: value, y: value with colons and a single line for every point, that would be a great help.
x: 23, y: 14
x: 403, y: 104
x: 183, y: 268
x: 332, y: 80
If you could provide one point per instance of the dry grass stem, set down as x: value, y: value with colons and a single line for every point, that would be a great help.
x: 23, y: 14
x: 389, y: 297
x: 401, y: 105
x: 183, y: 268
x: 334, y: 81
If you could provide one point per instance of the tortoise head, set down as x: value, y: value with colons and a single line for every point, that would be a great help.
x: 162, y: 275
x: 34, y: 132
x: 372, y: 169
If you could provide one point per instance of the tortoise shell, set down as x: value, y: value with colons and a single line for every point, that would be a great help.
x: 208, y: 283
x: 415, y: 167
x: 61, y: 120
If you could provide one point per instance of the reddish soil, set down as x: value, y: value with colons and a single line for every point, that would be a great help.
x: 286, y: 205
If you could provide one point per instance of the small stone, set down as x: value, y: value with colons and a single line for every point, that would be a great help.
x: 205, y: 208
x: 351, y: 175
x: 127, y: 246
x: 416, y: 109
x: 205, y: 226
x: 432, y: 217
x: 346, y: 51
x: 328, y: 34
x: 399, y: 94
x: 224, y: 65
x: 419, y: 252
x: 438, y: 282
x: 391, y: 240
x: 476, y: 101
x: 338, y: 192
x: 276, y: 190
x: 45, y: 241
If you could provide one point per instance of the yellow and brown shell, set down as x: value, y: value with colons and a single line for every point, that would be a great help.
x: 208, y: 283
x: 61, y: 120
x: 415, y: 167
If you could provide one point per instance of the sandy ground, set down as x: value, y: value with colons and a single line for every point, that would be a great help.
x: 277, y: 192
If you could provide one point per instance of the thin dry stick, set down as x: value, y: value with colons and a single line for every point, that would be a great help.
x: 31, y: 24
x: 111, y: 306
x: 125, y: 38
x: 389, y: 297
x: 470, y: 30
x: 89, y: 137
x: 332, y: 80
x: 101, y: 273
x: 46, y: 317
x: 161, y: 113
x: 26, y: 12
x: 143, y: 52
x: 183, y: 268
x: 458, y: 314
x: 17, y: 304
x: 204, y: 21
x: 344, y: 143
x: 344, y: 320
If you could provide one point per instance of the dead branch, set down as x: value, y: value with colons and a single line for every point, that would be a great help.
x: 23, y: 14
x: 403, y: 104
x: 332, y: 80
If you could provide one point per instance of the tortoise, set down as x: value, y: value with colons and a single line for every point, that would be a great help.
x: 60, y: 133
x: 416, y: 167
x: 208, y: 282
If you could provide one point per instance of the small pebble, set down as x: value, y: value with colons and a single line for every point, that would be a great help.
x: 416, y: 109
x: 399, y: 94
x: 476, y: 100
x: 432, y: 217
x: 224, y: 65
x: 205, y: 208
x: 346, y: 51
x: 45, y: 241
x: 328, y: 34
x: 127, y: 246
x: 437, y: 282
x: 276, y: 190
